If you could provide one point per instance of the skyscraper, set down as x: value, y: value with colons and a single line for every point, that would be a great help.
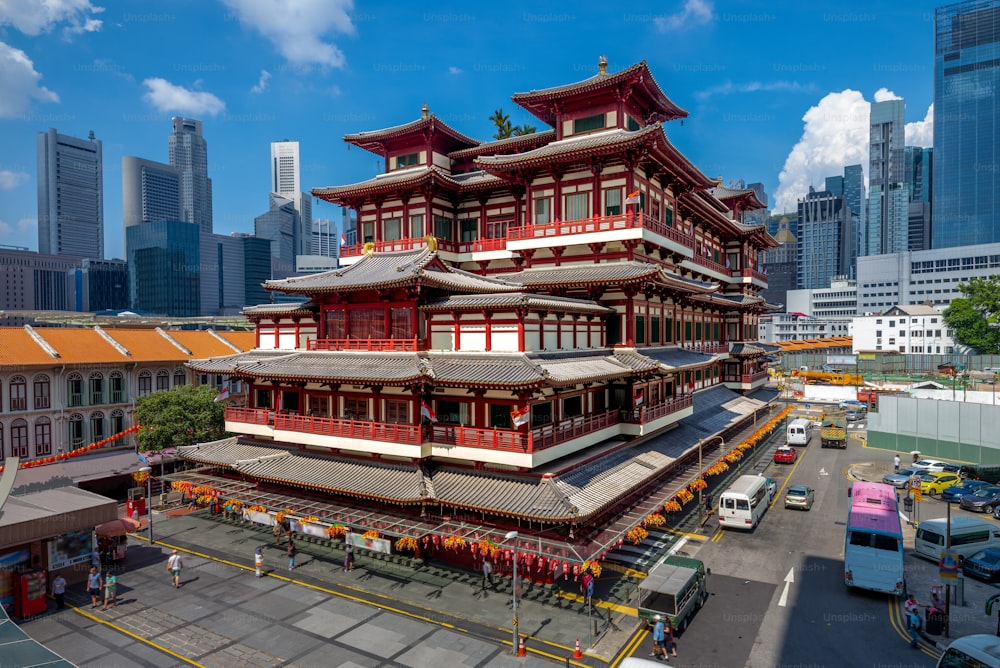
x: 919, y: 161
x: 188, y: 154
x: 285, y: 167
x: 825, y: 241
x: 280, y: 225
x: 854, y: 197
x: 966, y: 183
x: 151, y: 191
x: 887, y: 198
x: 70, y: 195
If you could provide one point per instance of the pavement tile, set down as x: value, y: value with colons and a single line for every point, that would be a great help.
x: 281, y: 641
x: 448, y: 648
x: 333, y: 617
x: 385, y: 635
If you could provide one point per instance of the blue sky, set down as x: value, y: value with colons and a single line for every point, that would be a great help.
x: 777, y: 92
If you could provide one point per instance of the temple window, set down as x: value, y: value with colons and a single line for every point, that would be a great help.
x: 262, y: 398
x: 577, y: 206
x: 640, y: 329
x: 573, y: 406
x: 442, y: 227
x: 356, y: 409
x: 368, y: 232
x: 470, y: 229
x: 416, y: 226
x: 543, y: 210
x: 392, y: 229
x: 402, y: 323
x: 335, y: 325
x: 588, y: 123
x: 367, y: 323
x: 452, y: 412
x: 612, y: 201
x: 500, y: 416
x: 541, y: 414
x: 408, y: 160
x: 396, y: 412
x: 632, y: 124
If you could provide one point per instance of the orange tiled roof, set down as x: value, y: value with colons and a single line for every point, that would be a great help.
x: 201, y: 344
x: 80, y: 345
x: 17, y: 347
x: 243, y: 340
x: 146, y: 345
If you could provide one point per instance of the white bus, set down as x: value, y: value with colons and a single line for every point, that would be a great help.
x: 797, y: 432
x: 744, y: 503
x: 980, y: 650
x: 968, y: 536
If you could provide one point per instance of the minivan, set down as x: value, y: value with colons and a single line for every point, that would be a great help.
x: 980, y: 650
x: 968, y: 536
x: 797, y: 432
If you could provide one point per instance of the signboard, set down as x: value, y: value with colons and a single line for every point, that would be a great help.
x: 69, y: 549
x: 915, y: 482
x: 373, y: 544
x: 918, y: 496
x: 841, y: 360
x: 311, y: 529
x: 949, y: 565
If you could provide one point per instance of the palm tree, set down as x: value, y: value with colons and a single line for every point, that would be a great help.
x: 502, y: 123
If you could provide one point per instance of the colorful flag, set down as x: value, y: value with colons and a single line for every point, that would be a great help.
x: 427, y: 412
x: 708, y: 253
x: 223, y: 394
x: 519, y: 415
x: 728, y: 264
x: 343, y: 238
x: 633, y: 198
x: 764, y: 270
x: 638, y: 397
x: 750, y: 261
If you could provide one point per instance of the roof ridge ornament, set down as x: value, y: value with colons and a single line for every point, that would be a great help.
x: 432, y: 243
x: 602, y: 65
x: 368, y: 248
x: 424, y: 110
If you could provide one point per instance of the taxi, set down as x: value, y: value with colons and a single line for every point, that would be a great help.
x: 935, y: 483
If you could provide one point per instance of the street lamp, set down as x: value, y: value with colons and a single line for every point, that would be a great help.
x: 149, y: 499
x: 701, y: 472
x: 512, y: 535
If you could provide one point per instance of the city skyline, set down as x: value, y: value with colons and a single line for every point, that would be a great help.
x: 786, y: 116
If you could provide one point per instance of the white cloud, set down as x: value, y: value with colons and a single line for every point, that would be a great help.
x: 167, y: 97
x: 19, y: 83
x: 4, y: 229
x: 10, y: 180
x: 27, y: 224
x: 261, y: 86
x: 694, y: 12
x: 921, y: 133
x: 884, y: 95
x: 33, y: 17
x: 454, y: 70
x: 296, y: 27
x: 730, y: 88
x: 836, y: 134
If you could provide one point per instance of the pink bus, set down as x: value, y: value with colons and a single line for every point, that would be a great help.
x: 873, y: 548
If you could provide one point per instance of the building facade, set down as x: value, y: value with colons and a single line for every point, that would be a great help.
x: 779, y: 327
x: 826, y: 241
x: 966, y: 187
x: 285, y: 181
x: 913, y: 330
x: 70, y: 195
x: 188, y: 154
x: 151, y: 191
x: 99, y: 285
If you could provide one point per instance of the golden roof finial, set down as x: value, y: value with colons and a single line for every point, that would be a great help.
x: 423, y: 111
x: 602, y: 64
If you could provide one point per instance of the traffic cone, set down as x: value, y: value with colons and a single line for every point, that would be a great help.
x: 520, y: 646
x: 577, y: 654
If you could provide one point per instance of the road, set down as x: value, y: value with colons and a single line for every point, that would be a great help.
x: 778, y: 594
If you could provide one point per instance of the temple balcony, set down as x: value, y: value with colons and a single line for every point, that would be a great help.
x: 746, y: 381
x: 711, y: 348
x: 367, y: 345
x: 645, y: 420
x: 748, y: 275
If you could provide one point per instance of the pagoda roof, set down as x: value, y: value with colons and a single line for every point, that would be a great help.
x: 739, y: 300
x: 378, y: 271
x: 747, y: 196
x: 542, y: 103
x: 513, y: 300
x: 412, y: 178
x: 376, y: 141
x: 674, y: 358
x: 608, y: 273
x: 299, y: 308
x: 747, y: 349
x: 510, y: 144
x: 226, y: 364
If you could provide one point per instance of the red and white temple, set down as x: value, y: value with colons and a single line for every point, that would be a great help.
x: 525, y: 330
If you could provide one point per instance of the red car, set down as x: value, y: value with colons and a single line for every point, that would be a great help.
x: 785, y: 455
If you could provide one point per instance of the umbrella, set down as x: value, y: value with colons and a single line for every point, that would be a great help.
x: 914, y: 452
x: 119, y: 527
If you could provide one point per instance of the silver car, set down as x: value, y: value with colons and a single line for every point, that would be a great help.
x: 901, y: 479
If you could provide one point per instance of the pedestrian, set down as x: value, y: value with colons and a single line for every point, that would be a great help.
x: 912, y: 607
x: 348, y: 557
x: 59, y: 590
x: 914, y: 623
x: 174, y: 566
x: 658, y: 635
x: 291, y: 555
x: 95, y: 559
x: 587, y: 586
x: 487, y: 573
x: 937, y: 601
x: 277, y: 533
x: 258, y: 561
x: 110, y: 591
x: 94, y: 586
x: 895, y: 464
x: 669, y: 639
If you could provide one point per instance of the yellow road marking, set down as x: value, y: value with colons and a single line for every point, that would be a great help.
x: 600, y: 604
x: 152, y: 644
x: 692, y: 536
x: 630, y: 647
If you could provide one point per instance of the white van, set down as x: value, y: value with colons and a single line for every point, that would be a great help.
x: 797, y: 432
x: 744, y: 503
x: 980, y: 650
x: 968, y: 536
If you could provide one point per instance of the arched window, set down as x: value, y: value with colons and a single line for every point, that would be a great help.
x: 43, y: 437
x: 19, y: 438
x: 97, y: 432
x: 117, y: 421
x: 180, y: 378
x: 145, y: 382
x: 18, y: 393
x: 42, y: 392
x: 96, y: 388
x: 76, y: 432
x: 117, y: 388
x: 162, y: 380
x: 75, y: 389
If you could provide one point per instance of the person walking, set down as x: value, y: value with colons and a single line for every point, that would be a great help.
x: 277, y: 533
x: 658, y: 635
x: 912, y: 607
x: 487, y: 574
x: 174, y: 565
x: 110, y: 591
x: 914, y: 623
x: 587, y: 586
x: 669, y: 639
x: 895, y: 464
x: 59, y: 591
x: 94, y: 586
x: 291, y: 555
x: 258, y: 561
x: 349, y: 557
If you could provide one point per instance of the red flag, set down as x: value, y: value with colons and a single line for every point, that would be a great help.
x: 223, y: 394
x: 427, y: 412
x: 519, y: 415
x: 632, y: 198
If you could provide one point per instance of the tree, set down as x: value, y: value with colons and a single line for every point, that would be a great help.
x: 975, y: 318
x: 505, y: 129
x: 181, y: 416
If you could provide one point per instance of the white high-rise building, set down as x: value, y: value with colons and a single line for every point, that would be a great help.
x: 151, y: 191
x: 188, y: 154
x: 285, y: 182
x: 70, y: 195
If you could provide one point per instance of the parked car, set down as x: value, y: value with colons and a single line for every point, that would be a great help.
x: 935, y: 483
x: 955, y: 493
x: 784, y: 455
x: 983, y: 565
x: 799, y: 496
x: 983, y: 500
x: 855, y: 414
x: 853, y: 404
x: 901, y: 479
x: 930, y: 465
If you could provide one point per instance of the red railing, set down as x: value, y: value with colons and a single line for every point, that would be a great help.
x: 710, y: 264
x: 707, y: 347
x: 746, y: 378
x: 747, y: 272
x: 489, y: 439
x: 384, y: 246
x: 567, y: 430
x: 478, y: 246
x: 377, y: 345
x: 249, y: 415
x: 645, y: 414
x: 324, y: 426
x: 597, y: 224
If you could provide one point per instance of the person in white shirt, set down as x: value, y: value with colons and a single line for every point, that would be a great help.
x: 174, y: 565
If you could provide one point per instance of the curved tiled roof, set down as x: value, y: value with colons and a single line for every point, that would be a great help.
x: 374, y: 140
x: 338, y: 366
x: 673, y: 357
x: 285, y: 309
x: 228, y: 363
x: 595, y: 143
x: 617, y: 273
x: 484, y: 369
x: 573, y: 370
x: 504, y: 145
x: 516, y: 300
x: 389, y: 182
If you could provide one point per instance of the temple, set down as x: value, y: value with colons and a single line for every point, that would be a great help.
x: 523, y: 330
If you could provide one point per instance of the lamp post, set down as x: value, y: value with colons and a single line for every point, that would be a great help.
x: 512, y: 535
x: 701, y: 471
x: 148, y: 470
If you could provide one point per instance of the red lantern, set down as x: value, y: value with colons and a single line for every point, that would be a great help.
x: 566, y: 569
x: 506, y: 555
x: 540, y: 564
x: 474, y: 547
x: 437, y: 541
